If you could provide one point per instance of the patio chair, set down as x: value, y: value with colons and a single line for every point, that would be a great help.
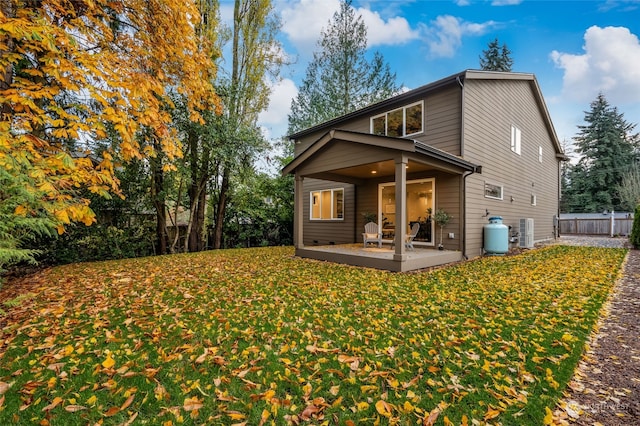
x: 414, y: 231
x: 372, y: 234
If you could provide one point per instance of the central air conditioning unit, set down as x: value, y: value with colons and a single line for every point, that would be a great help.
x: 526, y: 233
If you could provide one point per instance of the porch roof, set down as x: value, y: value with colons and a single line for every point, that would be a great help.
x: 418, y: 152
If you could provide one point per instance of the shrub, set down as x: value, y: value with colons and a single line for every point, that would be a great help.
x: 634, y: 238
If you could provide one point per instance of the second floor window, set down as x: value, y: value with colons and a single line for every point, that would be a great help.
x: 399, y: 122
x: 516, y: 139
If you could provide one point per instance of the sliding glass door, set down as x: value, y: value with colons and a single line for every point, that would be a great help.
x: 420, y: 207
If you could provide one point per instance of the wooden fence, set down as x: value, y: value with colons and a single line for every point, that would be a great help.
x: 595, y: 226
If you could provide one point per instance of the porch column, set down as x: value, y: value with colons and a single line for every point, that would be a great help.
x: 298, y: 203
x: 401, y: 208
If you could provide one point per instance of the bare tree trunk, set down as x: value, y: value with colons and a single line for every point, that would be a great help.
x: 159, y: 203
x: 221, y: 209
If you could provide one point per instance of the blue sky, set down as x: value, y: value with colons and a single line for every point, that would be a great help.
x: 576, y: 49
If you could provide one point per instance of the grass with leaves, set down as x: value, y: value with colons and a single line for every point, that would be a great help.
x: 257, y: 336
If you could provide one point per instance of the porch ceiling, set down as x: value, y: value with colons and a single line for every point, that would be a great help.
x: 379, y: 169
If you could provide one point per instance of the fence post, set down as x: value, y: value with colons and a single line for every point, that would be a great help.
x: 613, y: 222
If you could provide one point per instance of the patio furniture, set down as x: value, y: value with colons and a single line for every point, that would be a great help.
x: 414, y: 231
x: 372, y: 234
x: 408, y: 242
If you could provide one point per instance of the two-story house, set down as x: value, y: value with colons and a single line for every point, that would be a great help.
x: 475, y: 144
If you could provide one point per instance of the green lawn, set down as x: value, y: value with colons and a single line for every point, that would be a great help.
x: 262, y: 337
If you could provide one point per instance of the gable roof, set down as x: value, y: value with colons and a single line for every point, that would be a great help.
x: 387, y: 142
x: 455, y: 79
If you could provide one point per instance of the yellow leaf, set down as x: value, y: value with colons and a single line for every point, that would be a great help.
x: 491, y: 413
x: 447, y: 422
x: 362, y: 406
x: 548, y: 418
x: 236, y: 415
x: 68, y: 350
x: 20, y: 211
x: 383, y: 408
x: 92, y: 400
x: 109, y: 362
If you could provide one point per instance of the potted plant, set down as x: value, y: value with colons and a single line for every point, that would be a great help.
x: 441, y: 219
x: 370, y: 217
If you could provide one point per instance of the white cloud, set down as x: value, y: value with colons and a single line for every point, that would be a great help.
x: 445, y: 34
x: 394, y: 31
x: 610, y: 64
x: 302, y: 23
x: 274, y: 120
x: 505, y: 2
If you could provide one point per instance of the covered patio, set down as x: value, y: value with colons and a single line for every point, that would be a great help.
x: 358, y: 159
x: 380, y: 258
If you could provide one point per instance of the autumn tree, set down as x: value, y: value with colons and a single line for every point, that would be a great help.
x: 608, y: 149
x: 496, y: 57
x: 340, y: 79
x: 256, y: 56
x: 71, y: 71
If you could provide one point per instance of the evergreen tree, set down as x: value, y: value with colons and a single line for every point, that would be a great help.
x: 608, y: 149
x: 496, y: 58
x: 339, y: 79
x: 634, y: 238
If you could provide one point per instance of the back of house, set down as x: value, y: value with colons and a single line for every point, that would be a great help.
x: 475, y: 144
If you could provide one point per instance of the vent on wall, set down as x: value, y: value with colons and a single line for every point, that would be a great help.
x: 526, y: 233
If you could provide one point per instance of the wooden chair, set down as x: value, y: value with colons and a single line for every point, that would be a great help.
x: 372, y: 234
x: 414, y: 231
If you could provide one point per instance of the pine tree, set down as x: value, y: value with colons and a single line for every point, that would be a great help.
x: 339, y: 79
x: 608, y: 149
x: 496, y: 58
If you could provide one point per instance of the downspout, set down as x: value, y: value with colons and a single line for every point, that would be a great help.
x: 464, y: 222
x: 463, y: 197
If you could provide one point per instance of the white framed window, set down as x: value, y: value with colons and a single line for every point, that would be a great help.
x: 540, y: 154
x: 491, y: 190
x: 516, y: 140
x: 405, y: 121
x: 534, y: 199
x: 327, y: 204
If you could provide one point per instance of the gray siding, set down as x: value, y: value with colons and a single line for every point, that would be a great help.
x: 335, y: 157
x: 442, y: 112
x: 491, y: 107
x: 324, y: 232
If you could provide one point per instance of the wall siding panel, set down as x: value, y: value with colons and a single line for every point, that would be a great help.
x: 491, y: 108
x: 324, y: 232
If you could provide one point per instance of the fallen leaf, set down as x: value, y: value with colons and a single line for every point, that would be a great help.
x: 128, y: 402
x: 191, y: 404
x: 383, y: 408
x: 109, y: 362
x: 56, y: 401
x: 72, y: 408
x: 112, y: 411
